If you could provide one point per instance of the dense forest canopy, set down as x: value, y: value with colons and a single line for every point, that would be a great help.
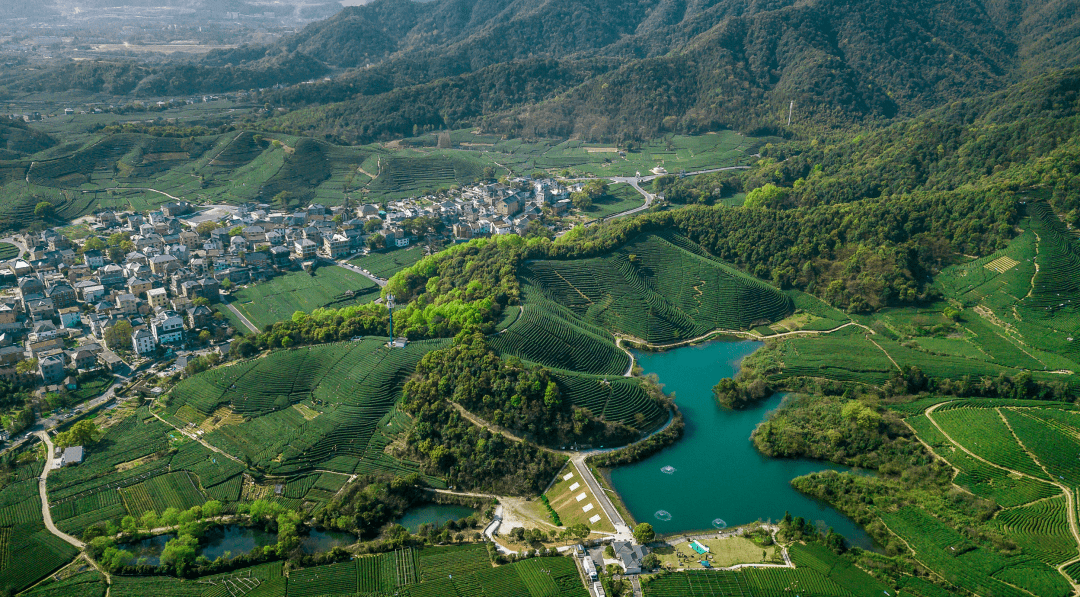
x: 614, y: 70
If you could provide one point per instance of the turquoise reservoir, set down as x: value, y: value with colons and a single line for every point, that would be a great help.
x: 714, y: 476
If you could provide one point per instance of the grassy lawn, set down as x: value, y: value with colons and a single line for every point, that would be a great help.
x: 276, y: 300
x: 620, y: 197
x: 722, y: 553
x: 231, y: 317
x: 389, y: 263
x: 565, y: 501
x: 92, y: 388
x: 75, y: 231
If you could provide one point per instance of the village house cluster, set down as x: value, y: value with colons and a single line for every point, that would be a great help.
x: 145, y: 284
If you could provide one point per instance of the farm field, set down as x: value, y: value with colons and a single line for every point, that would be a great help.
x: 385, y: 265
x: 620, y: 399
x: 971, y: 567
x: 748, y: 582
x: 1017, y: 453
x: 674, y: 153
x: 276, y: 300
x: 1027, y: 293
x: 546, y: 332
x: 878, y: 358
x: 620, y: 197
x: 28, y: 551
x: 89, y: 583
x: 452, y: 571
x: 349, y: 390
x: 659, y: 289
x: 8, y: 251
x: 1019, y: 312
x: 821, y: 559
x: 133, y: 457
x: 409, y: 173
x: 571, y: 496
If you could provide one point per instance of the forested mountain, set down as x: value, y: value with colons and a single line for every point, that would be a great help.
x: 686, y: 67
x: 620, y: 69
x: 17, y: 139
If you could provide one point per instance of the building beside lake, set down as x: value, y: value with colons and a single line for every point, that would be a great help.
x: 629, y: 555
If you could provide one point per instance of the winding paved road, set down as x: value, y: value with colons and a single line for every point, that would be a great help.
x: 635, y: 181
x: 52, y: 421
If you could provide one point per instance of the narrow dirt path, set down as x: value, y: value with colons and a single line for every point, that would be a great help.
x: 195, y: 437
x: 742, y: 334
x: 463, y: 493
x: 1069, y: 497
x: 46, y: 513
x: 134, y: 189
x: 887, y: 355
x: 227, y: 145
x: 1036, y: 261
x: 629, y: 368
x: 521, y: 312
x: 510, y: 435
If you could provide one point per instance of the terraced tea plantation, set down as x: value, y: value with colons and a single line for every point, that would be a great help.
x: 131, y: 471
x: 1022, y: 455
x: 552, y: 335
x: 413, y: 173
x: 659, y: 289
x: 277, y: 299
x: 8, y: 251
x: 329, y: 406
x: 89, y: 583
x: 454, y: 571
x: 619, y: 399
x: 748, y: 582
x: 28, y: 551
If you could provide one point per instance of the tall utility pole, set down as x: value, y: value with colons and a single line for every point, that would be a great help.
x: 390, y: 307
x: 790, y: 107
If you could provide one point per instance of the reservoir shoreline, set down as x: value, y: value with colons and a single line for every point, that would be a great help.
x: 713, y: 477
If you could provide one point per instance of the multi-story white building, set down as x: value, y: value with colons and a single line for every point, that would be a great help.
x: 168, y: 327
x: 143, y: 341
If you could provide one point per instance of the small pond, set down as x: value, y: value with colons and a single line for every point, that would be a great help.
x: 234, y: 539
x: 320, y: 541
x: 436, y: 514
x: 149, y: 548
x: 238, y: 540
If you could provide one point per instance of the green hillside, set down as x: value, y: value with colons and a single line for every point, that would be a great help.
x: 348, y: 392
x: 548, y: 333
x: 660, y: 289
